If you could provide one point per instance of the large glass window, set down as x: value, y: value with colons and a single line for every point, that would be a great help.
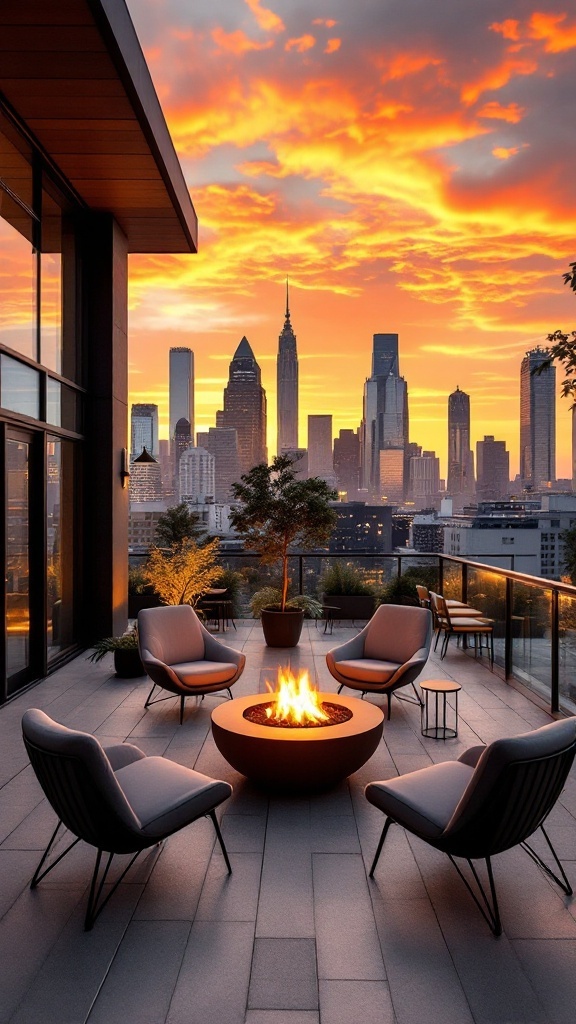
x: 18, y: 262
x: 17, y: 558
x: 51, y: 285
x: 19, y: 387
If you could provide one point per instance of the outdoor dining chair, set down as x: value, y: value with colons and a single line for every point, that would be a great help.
x: 451, y: 623
x: 115, y: 798
x: 489, y: 800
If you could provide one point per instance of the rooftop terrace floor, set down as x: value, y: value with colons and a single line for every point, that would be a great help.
x: 297, y: 934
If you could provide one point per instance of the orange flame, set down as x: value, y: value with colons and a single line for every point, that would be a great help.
x: 296, y: 701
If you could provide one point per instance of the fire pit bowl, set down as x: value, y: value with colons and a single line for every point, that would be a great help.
x: 296, y: 759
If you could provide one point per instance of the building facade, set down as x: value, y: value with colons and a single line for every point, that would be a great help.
x: 320, y: 457
x: 197, y: 478
x: 347, y: 463
x: 245, y: 407
x: 287, y: 385
x: 222, y: 443
x: 385, y: 413
x: 537, y: 422
x: 492, y: 469
x: 66, y: 229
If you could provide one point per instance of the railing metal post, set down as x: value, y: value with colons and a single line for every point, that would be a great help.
x: 300, y: 573
x: 555, y: 664
x: 440, y: 574
x: 508, y: 638
x: 465, y: 582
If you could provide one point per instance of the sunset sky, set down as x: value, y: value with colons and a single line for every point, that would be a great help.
x: 408, y: 163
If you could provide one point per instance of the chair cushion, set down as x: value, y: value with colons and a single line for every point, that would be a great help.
x: 204, y: 673
x: 367, y: 670
x: 422, y: 801
x: 165, y: 796
x: 172, y: 634
x: 470, y: 625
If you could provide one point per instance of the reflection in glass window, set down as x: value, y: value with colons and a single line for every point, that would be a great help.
x: 51, y: 285
x: 53, y: 402
x: 59, y: 545
x: 17, y: 557
x: 19, y: 387
x: 18, y: 281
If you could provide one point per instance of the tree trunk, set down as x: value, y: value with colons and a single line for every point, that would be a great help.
x: 284, y: 577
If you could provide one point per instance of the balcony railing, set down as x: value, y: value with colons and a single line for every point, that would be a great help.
x: 534, y: 619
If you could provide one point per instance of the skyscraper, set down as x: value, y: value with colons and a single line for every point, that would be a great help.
x: 180, y: 443
x: 143, y: 429
x: 537, y: 421
x: 181, y: 388
x: 197, y: 475
x: 460, y: 458
x: 424, y: 479
x: 145, y: 478
x: 492, y: 469
x: 385, y: 355
x: 287, y: 381
x: 245, y: 407
x: 222, y: 443
x: 320, y: 458
x: 385, y: 415
x: 347, y: 462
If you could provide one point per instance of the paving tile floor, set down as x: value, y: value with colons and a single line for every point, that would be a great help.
x: 297, y: 934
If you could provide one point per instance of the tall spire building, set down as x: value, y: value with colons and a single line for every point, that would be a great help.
x: 287, y: 390
x: 245, y: 407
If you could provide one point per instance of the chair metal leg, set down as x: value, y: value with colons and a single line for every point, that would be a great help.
x: 341, y: 687
x: 181, y: 709
x: 149, y: 697
x: 488, y: 907
x: 444, y: 647
x: 562, y: 882
x: 39, y: 874
x: 389, y: 696
x: 229, y: 692
x: 95, y: 903
x: 221, y: 840
x: 387, y: 823
x: 438, y: 631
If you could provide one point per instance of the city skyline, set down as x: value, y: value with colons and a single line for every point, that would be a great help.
x: 410, y: 174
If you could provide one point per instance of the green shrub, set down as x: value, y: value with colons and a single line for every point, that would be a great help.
x: 343, y: 578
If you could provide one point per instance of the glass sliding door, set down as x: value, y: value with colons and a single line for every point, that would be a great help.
x: 17, y: 625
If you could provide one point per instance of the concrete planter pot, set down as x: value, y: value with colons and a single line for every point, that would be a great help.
x: 282, y: 629
x: 350, y: 606
x: 127, y: 664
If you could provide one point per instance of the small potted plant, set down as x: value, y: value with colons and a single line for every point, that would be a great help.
x: 127, y: 663
x: 275, y: 513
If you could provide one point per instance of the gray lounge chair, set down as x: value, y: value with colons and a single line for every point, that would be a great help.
x: 390, y: 652
x: 115, y: 798
x: 489, y: 800
x: 182, y: 657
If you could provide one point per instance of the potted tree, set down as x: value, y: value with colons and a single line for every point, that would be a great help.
x: 275, y: 513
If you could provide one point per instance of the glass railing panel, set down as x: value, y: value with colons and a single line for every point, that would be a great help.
x: 531, y: 637
x: 567, y: 652
x: 487, y: 593
x: 417, y: 569
x: 452, y: 580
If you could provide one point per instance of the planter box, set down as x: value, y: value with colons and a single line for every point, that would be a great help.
x: 350, y: 606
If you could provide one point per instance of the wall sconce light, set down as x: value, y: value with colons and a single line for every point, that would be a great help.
x: 124, y: 471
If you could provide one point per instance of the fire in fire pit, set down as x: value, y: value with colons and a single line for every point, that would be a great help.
x: 296, y: 704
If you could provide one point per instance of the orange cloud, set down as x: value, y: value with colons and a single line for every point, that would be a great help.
x: 329, y: 22
x: 409, y: 64
x: 551, y: 28
x: 267, y: 19
x: 511, y: 113
x: 510, y: 28
x: 301, y: 44
x: 332, y: 45
x: 495, y: 78
x: 238, y: 42
x: 501, y: 153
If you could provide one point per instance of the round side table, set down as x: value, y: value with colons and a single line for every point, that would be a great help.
x: 439, y: 719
